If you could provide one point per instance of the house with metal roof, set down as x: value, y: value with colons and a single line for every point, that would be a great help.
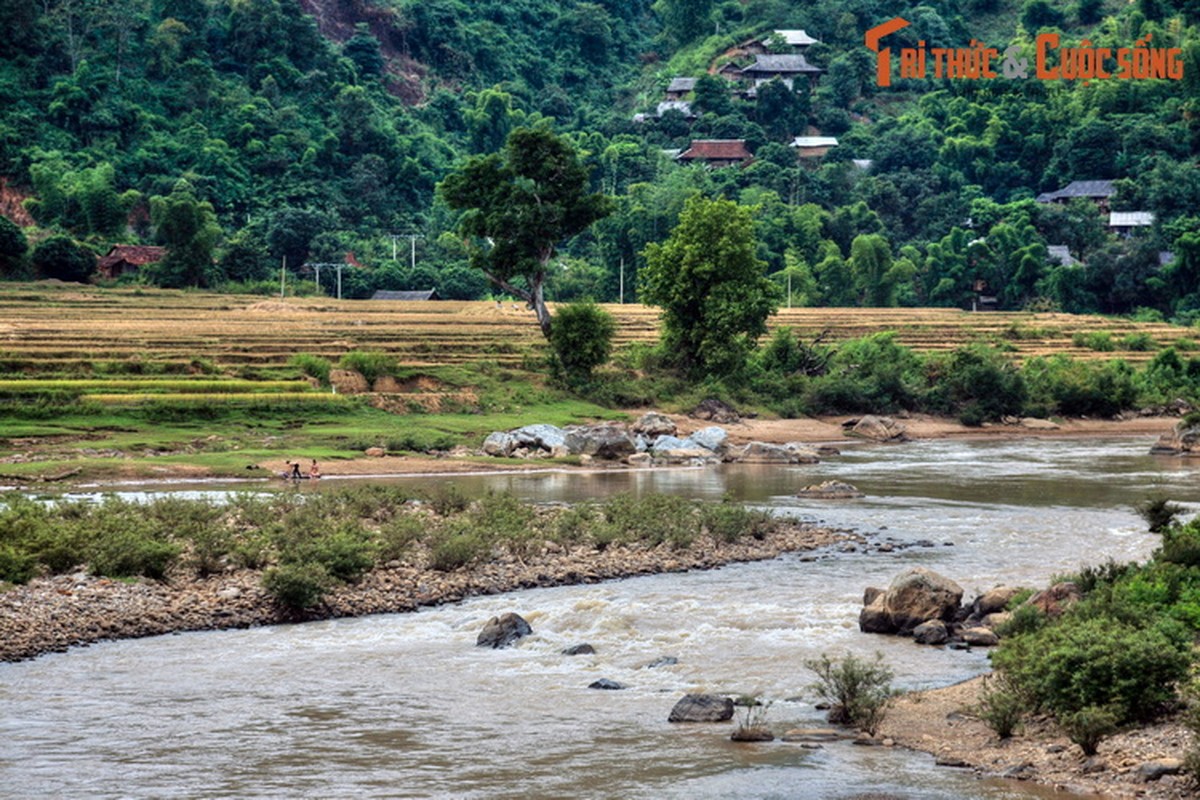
x: 1125, y: 223
x: 784, y: 67
x: 717, y: 153
x: 1098, y: 192
x: 123, y: 259
x: 795, y: 39
x: 1061, y: 254
x: 679, y: 88
x: 382, y: 294
x: 813, y: 146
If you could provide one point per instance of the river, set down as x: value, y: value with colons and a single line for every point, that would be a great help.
x: 406, y: 706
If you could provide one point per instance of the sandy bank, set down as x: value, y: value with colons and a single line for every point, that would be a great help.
x: 943, y: 722
x: 809, y: 430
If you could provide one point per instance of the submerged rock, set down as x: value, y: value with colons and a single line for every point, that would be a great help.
x: 503, y: 631
x: 702, y: 708
x: 831, y: 490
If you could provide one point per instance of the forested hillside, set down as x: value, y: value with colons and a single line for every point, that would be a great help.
x: 240, y: 132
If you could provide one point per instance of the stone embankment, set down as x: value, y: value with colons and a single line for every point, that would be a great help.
x: 55, y: 613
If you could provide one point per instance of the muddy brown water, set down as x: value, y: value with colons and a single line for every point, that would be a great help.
x: 406, y: 706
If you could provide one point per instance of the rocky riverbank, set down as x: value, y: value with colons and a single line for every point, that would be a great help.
x: 1135, y: 763
x: 54, y: 613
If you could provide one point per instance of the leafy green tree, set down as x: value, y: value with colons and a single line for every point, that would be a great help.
x: 363, y: 49
x: 711, y: 287
x: 63, y: 258
x: 870, y: 264
x: 518, y: 207
x: 582, y: 339
x: 13, y: 248
x: 188, y: 228
x: 684, y: 20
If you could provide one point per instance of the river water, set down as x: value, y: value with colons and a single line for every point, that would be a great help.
x: 406, y: 706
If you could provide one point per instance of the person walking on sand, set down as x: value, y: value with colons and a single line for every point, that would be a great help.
x: 314, y: 471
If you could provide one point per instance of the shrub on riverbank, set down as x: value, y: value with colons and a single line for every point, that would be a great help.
x: 309, y: 543
x: 857, y: 690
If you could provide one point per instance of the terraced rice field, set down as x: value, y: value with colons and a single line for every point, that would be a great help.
x: 222, y: 345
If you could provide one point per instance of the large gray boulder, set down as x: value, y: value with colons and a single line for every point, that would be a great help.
x: 654, y: 424
x: 503, y: 630
x: 1182, y: 440
x: 878, y: 429
x: 540, y: 436
x: 664, y: 443
x: 916, y: 596
x: 714, y: 410
x: 766, y: 453
x: 994, y: 600
x: 702, y: 708
x: 711, y: 439
x: 499, y: 444
x: 607, y: 441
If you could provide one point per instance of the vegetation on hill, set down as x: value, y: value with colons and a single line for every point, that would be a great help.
x: 315, y: 128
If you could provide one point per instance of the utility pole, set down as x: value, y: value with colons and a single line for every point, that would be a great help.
x: 317, y: 268
x: 789, y: 290
x: 622, y: 280
x: 412, y: 241
x: 282, y: 277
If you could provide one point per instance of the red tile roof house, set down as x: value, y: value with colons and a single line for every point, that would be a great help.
x: 125, y: 258
x: 717, y: 152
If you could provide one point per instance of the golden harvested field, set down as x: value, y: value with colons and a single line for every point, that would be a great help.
x: 76, y: 331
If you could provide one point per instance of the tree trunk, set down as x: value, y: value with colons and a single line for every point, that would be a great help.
x: 538, y: 303
x: 535, y: 299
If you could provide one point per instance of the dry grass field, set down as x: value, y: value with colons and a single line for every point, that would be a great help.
x: 71, y: 332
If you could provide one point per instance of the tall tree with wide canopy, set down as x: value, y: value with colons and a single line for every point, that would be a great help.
x: 519, y: 204
x: 712, y: 289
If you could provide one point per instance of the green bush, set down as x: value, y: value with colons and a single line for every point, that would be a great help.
x: 1100, y: 341
x: 1099, y: 661
x: 858, y: 690
x: 312, y: 366
x: 1181, y: 544
x: 1025, y: 619
x: 1088, y: 726
x: 1001, y: 705
x: 728, y: 521
x: 297, y: 585
x: 16, y: 566
x: 1138, y: 342
x: 1158, y: 511
x: 978, y: 383
x: 581, y: 336
x: 455, y: 546
x: 446, y: 499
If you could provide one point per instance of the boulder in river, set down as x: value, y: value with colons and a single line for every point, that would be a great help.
x: 605, y: 683
x: 578, y: 650
x: 711, y: 439
x: 830, y: 490
x: 932, y: 632
x: 606, y: 441
x: 540, y: 436
x: 878, y: 429
x: 1182, y: 440
x: 702, y: 708
x: 499, y: 444
x: 1054, y: 601
x: 915, y: 596
x: 653, y: 424
x: 503, y: 630
x: 993, y: 600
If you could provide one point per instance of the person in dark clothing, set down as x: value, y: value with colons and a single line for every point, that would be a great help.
x: 295, y: 470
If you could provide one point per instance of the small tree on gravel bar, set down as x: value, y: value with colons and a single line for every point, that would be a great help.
x: 858, y: 690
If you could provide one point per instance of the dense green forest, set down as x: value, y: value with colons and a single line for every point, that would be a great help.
x: 241, y: 132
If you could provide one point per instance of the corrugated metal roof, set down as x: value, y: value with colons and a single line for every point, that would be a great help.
x: 1089, y: 189
x: 815, y: 141
x: 795, y: 38
x: 682, y: 85
x: 1130, y: 219
x: 383, y: 294
x: 781, y: 65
